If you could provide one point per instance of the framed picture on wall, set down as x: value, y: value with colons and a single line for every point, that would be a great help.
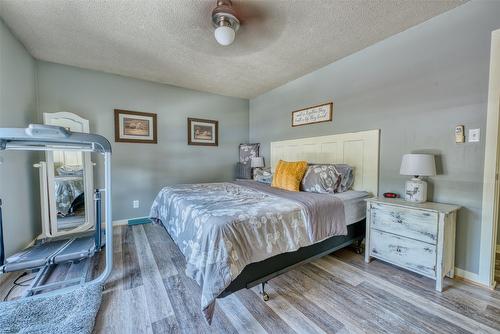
x: 315, y: 114
x: 135, y: 127
x: 203, y: 132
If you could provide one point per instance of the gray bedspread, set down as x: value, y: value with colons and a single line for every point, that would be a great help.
x: 325, y: 214
x: 222, y: 227
x: 67, y: 188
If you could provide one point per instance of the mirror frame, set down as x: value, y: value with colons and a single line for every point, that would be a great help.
x: 49, y: 219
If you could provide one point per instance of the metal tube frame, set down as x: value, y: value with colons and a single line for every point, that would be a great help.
x: 98, y: 217
x: 2, y: 248
x: 109, y: 222
x: 102, y: 278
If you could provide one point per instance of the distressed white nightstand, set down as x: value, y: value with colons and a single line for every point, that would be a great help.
x: 417, y: 237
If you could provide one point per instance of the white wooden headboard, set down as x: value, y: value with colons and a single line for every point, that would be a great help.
x: 358, y: 149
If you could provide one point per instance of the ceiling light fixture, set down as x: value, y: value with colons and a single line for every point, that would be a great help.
x: 225, y: 22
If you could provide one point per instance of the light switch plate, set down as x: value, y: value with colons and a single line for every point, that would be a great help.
x: 474, y: 135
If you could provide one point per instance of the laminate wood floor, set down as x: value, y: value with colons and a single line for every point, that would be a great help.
x: 148, y: 292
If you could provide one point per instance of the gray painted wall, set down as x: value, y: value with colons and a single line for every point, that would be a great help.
x: 141, y: 170
x: 17, y: 175
x: 415, y: 87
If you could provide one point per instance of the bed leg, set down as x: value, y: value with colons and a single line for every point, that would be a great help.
x: 358, y: 248
x: 265, y: 296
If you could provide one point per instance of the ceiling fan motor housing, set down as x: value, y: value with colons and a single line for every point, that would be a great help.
x: 224, y: 15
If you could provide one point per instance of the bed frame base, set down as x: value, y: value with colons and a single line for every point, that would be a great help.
x: 358, y: 246
x: 263, y: 271
x: 265, y: 296
x: 265, y: 279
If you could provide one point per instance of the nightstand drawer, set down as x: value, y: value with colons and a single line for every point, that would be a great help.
x: 416, y: 224
x: 408, y: 253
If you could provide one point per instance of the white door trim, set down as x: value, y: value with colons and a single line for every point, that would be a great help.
x: 491, y: 195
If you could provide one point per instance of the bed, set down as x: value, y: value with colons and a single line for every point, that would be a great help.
x: 67, y: 189
x: 235, y: 235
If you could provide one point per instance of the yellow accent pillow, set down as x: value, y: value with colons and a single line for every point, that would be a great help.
x: 288, y: 175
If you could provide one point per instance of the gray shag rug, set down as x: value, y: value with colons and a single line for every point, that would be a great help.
x: 69, y: 312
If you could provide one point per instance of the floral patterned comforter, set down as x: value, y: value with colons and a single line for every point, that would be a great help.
x: 222, y: 227
x: 67, y: 188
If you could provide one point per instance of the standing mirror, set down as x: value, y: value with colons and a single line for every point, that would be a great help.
x: 66, y: 183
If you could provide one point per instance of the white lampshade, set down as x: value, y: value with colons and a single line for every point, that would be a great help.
x: 224, y: 35
x: 257, y: 162
x: 418, y: 165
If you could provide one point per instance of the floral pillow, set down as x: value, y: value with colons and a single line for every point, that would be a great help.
x: 247, y: 152
x: 346, y: 175
x: 321, y: 179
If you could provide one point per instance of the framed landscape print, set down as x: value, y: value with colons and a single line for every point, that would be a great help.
x: 311, y: 115
x: 203, y: 132
x: 135, y: 127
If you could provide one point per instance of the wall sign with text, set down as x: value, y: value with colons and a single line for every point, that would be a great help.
x: 311, y: 115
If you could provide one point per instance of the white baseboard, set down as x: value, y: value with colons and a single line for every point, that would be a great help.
x: 120, y: 222
x: 472, y: 278
x: 32, y: 243
x: 467, y: 275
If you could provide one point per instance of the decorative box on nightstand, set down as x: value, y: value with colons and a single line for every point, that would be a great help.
x: 417, y: 237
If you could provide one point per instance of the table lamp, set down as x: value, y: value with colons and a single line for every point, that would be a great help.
x: 256, y: 163
x: 418, y: 165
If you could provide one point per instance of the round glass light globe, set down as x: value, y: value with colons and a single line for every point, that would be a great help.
x: 224, y: 35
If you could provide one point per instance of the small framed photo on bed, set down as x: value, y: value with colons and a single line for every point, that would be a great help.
x: 203, y: 132
x: 135, y: 127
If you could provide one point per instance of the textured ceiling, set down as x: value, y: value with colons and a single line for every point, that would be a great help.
x: 171, y: 41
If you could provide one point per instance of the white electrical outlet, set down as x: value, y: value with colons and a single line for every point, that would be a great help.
x: 474, y: 135
x: 135, y: 204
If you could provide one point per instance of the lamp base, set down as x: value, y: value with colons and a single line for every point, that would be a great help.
x: 416, y: 190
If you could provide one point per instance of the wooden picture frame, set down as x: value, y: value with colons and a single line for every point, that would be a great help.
x: 312, y: 115
x: 135, y: 127
x: 208, y: 132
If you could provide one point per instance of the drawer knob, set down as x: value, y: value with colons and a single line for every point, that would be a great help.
x: 397, y: 217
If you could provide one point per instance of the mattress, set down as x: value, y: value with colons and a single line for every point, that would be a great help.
x: 354, y: 205
x: 353, y: 201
